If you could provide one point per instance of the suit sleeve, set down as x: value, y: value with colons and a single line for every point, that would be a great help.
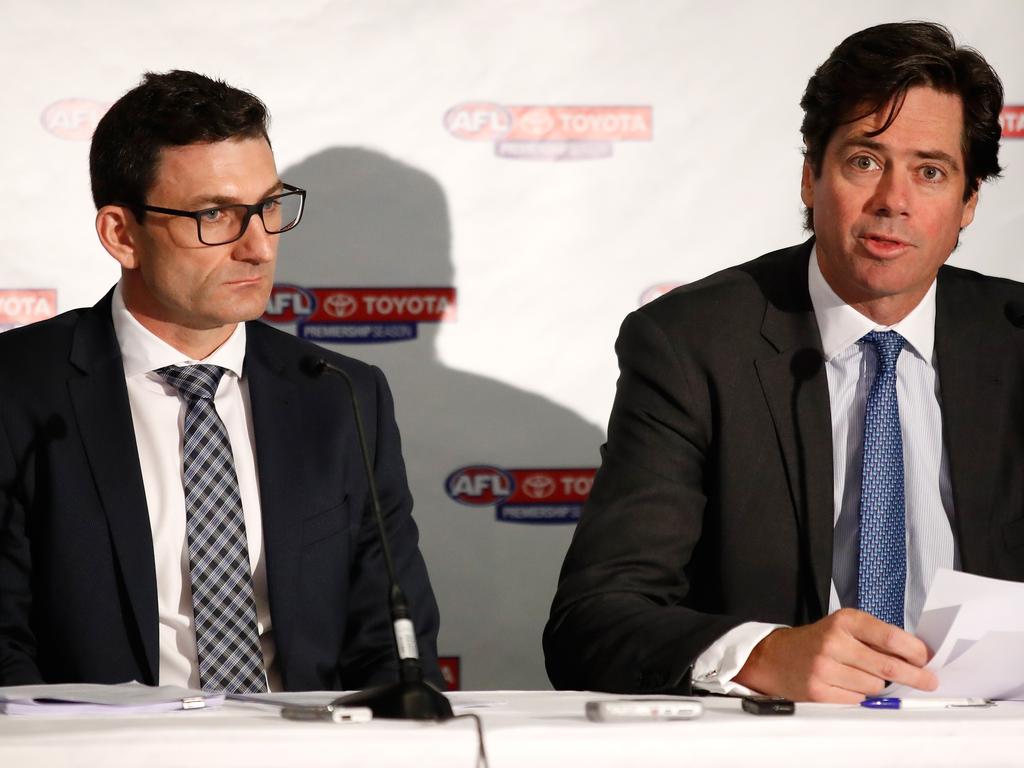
x: 17, y: 642
x: 368, y: 658
x: 620, y: 620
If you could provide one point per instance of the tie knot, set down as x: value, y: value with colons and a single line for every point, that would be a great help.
x: 193, y: 382
x: 888, y: 344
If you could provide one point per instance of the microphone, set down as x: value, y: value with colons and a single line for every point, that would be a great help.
x: 411, y: 697
x: 1014, y: 311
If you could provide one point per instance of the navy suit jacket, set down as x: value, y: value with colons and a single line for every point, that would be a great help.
x: 713, y: 504
x: 78, y: 600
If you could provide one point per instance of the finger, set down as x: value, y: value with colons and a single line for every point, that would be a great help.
x: 892, y: 668
x: 852, y: 679
x: 832, y: 694
x: 889, y: 639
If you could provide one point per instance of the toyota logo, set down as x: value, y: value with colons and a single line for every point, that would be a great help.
x: 340, y: 305
x: 537, y: 122
x: 538, y: 486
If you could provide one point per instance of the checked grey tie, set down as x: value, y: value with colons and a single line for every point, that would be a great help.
x: 227, y: 638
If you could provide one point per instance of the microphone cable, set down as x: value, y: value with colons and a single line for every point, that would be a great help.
x: 481, y: 753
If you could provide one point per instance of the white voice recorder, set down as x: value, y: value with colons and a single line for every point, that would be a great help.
x: 633, y: 710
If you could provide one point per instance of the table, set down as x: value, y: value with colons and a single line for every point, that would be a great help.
x: 524, y: 728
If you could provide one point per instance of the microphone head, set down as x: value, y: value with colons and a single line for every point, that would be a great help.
x: 1014, y: 311
x: 55, y: 428
x: 805, y: 363
x: 313, y: 366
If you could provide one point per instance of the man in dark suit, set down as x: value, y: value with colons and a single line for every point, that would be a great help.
x: 766, y: 416
x: 181, y: 500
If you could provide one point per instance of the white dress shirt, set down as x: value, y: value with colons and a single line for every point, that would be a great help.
x: 158, y: 416
x: 850, y: 369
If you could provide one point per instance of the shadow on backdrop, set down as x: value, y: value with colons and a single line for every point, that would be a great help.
x: 373, y: 221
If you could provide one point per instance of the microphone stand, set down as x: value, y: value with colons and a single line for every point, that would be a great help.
x: 411, y: 697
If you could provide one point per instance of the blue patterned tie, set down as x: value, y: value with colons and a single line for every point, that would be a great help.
x: 227, y: 637
x: 882, y: 566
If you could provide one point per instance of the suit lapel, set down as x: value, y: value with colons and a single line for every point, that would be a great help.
x: 279, y: 437
x: 969, y: 383
x: 796, y: 390
x: 100, y: 402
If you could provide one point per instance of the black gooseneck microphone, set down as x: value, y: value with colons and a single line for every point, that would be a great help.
x: 412, y: 697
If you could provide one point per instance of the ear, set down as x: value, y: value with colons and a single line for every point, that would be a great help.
x: 116, y: 227
x: 807, y: 185
x: 968, y: 214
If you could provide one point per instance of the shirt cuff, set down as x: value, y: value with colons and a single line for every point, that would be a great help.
x: 723, y: 659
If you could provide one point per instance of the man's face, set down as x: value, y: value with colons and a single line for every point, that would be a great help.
x: 888, y: 209
x: 178, y: 283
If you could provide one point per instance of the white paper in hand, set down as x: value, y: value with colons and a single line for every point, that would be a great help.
x: 975, y: 627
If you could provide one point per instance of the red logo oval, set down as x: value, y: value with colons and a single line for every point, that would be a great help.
x: 288, y: 303
x: 73, y: 119
x: 477, y: 121
x: 657, y: 290
x: 479, y: 485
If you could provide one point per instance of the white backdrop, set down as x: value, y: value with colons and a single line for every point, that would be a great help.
x: 408, y: 122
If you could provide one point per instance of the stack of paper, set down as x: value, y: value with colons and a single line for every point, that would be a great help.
x: 975, y: 626
x: 85, y: 699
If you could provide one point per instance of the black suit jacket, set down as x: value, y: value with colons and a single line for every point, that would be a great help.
x: 78, y: 600
x: 713, y: 504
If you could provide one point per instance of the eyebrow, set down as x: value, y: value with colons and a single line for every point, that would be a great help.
x: 923, y: 154
x: 217, y: 200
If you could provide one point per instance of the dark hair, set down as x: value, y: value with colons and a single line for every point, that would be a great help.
x: 873, y: 69
x: 165, y: 110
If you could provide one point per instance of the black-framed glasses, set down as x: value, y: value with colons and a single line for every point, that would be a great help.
x: 226, y: 223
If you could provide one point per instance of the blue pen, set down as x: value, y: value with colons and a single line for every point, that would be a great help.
x: 892, y: 703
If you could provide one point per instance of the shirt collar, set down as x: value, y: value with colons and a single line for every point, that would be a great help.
x: 841, y: 325
x: 142, y: 351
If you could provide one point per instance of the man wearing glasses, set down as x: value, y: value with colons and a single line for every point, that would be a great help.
x: 180, y: 501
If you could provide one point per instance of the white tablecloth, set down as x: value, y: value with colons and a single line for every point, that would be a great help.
x: 525, y: 728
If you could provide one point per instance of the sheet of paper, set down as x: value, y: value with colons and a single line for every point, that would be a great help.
x: 935, y: 624
x: 127, y: 698
x: 975, y: 626
x: 973, y: 674
x: 287, y: 699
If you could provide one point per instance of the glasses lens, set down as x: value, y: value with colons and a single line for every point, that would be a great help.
x: 221, y: 225
x: 282, y: 212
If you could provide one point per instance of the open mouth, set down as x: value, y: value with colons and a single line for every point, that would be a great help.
x: 883, y: 245
x: 884, y: 239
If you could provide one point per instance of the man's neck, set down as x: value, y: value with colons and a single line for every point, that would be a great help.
x: 888, y: 310
x: 195, y: 343
x: 883, y: 310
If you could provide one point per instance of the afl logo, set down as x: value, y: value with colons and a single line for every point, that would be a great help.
x: 73, y: 119
x: 538, y: 486
x: 340, y: 305
x: 478, y: 121
x: 288, y: 303
x: 479, y: 485
x: 657, y: 291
